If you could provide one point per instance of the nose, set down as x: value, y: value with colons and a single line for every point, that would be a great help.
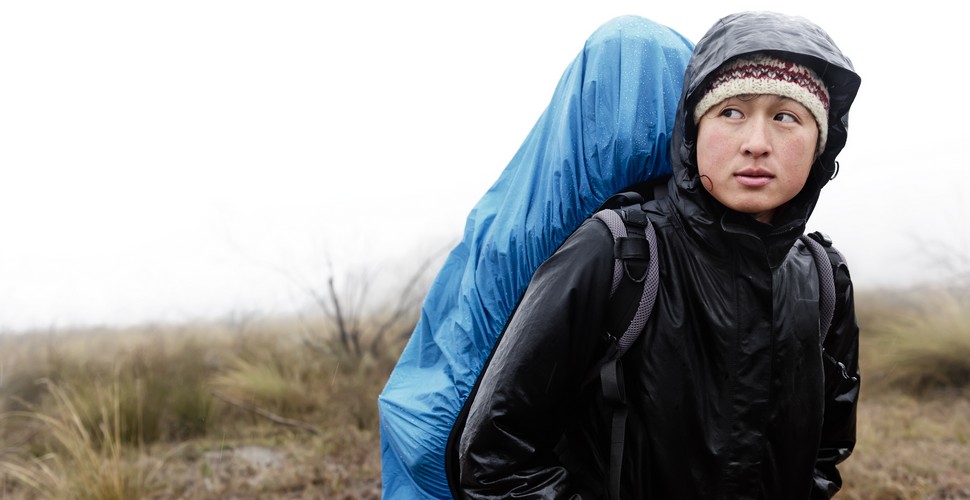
x: 756, y: 141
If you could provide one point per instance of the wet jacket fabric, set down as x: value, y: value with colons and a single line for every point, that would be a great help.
x: 730, y: 394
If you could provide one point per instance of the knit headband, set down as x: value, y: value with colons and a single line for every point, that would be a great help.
x: 765, y: 74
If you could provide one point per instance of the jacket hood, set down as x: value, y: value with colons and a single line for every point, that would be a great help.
x: 789, y: 37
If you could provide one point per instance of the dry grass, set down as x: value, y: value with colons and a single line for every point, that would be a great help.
x: 76, y: 462
x: 130, y: 414
x: 136, y: 418
x: 910, y: 448
x: 917, y: 342
x: 914, y: 415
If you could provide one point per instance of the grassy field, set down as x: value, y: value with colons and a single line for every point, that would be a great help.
x: 274, y: 408
x: 914, y: 413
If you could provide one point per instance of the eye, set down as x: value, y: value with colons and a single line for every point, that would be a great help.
x: 786, y: 118
x: 731, y: 113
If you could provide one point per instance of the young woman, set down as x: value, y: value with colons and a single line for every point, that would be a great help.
x: 730, y: 393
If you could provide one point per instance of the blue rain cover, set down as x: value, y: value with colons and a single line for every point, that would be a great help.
x: 605, y: 129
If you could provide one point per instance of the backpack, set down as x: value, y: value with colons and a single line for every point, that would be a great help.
x: 605, y: 128
x: 633, y: 240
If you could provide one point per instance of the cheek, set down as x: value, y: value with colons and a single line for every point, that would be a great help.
x: 709, y: 151
x: 806, y: 143
x: 800, y: 155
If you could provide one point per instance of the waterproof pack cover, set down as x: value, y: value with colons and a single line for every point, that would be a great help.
x: 605, y: 129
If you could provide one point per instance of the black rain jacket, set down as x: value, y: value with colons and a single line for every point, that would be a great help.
x: 731, y: 395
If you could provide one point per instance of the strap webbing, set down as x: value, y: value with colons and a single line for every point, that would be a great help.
x: 611, y: 378
x: 611, y: 374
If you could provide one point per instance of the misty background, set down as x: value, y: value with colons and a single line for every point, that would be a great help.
x: 168, y: 161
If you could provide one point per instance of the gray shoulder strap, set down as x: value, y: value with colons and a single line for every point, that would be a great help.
x: 826, y: 280
x: 610, y: 372
x: 650, y: 285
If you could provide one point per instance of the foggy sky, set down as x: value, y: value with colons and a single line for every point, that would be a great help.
x: 189, y: 159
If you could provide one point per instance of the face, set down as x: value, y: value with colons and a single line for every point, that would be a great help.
x: 754, y: 153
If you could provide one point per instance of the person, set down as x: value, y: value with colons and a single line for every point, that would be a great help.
x: 729, y: 392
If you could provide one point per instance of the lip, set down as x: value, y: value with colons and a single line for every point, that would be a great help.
x: 753, y: 177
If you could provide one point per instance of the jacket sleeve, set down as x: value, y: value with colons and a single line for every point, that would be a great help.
x: 515, y: 421
x: 840, y: 359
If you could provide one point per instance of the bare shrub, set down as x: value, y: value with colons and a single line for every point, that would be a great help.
x: 363, y: 314
x: 273, y: 369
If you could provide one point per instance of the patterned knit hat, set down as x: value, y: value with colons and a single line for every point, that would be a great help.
x: 766, y: 74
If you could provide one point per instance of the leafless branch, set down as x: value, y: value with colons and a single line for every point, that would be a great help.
x: 408, y: 301
x: 276, y: 419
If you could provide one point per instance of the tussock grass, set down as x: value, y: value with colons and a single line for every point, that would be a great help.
x: 917, y: 341
x: 116, y: 405
x: 292, y: 375
x: 913, y: 431
x: 81, y: 463
x: 910, y: 447
x: 161, y: 383
x: 118, y: 411
x: 276, y: 387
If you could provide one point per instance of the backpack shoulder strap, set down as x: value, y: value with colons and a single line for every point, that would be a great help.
x: 633, y: 240
x: 825, y: 264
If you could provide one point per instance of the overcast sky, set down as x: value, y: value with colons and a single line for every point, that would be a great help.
x: 177, y: 159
